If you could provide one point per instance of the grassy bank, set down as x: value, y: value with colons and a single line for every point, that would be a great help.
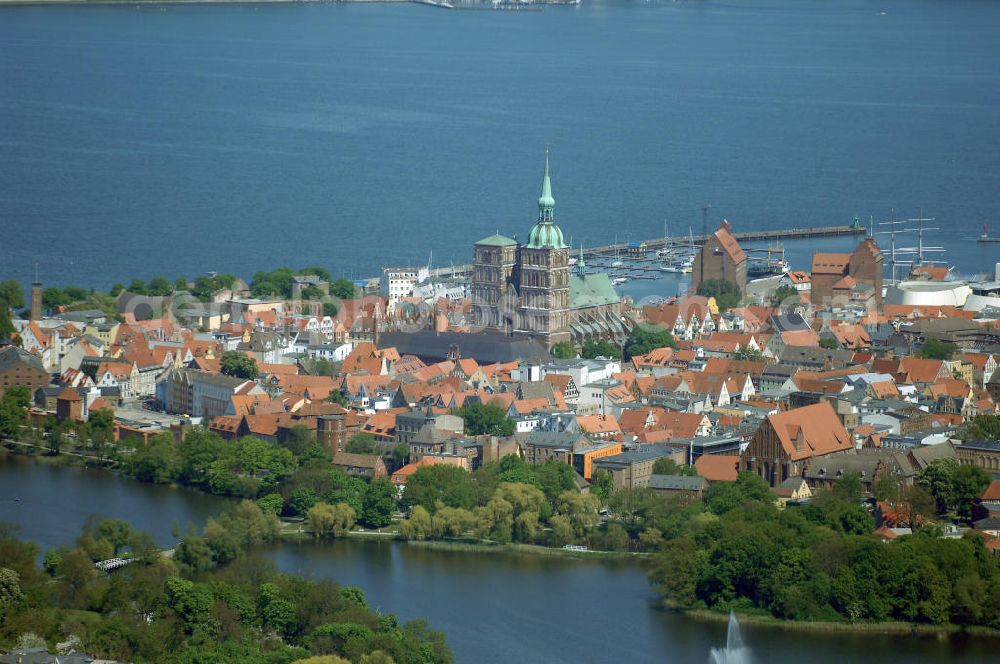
x: 295, y: 532
x: 531, y: 549
x: 889, y: 628
x: 40, y: 454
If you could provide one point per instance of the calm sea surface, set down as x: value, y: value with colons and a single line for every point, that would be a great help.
x: 494, y: 608
x: 137, y: 141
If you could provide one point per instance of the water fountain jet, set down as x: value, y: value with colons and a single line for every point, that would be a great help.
x: 734, y: 652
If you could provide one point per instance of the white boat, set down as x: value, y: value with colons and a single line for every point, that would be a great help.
x: 619, y: 280
x: 670, y: 268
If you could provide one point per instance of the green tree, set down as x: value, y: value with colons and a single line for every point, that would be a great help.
x: 325, y: 521
x: 667, y: 466
x: 272, y: 503
x: 181, y: 284
x: 302, y: 499
x: 13, y: 411
x: 984, y: 426
x: 783, y: 293
x: 967, y: 483
x: 205, y: 286
x: 191, y: 602
x: 722, y: 497
x: 344, y: 289
x: 748, y: 353
x: 602, y: 485
x: 954, y: 486
x: 159, y: 286
x: 580, y: 509
x: 275, y: 283
x: 727, y: 294
x: 361, y: 443
x: 400, y: 453
x: 241, y: 365
x: 317, y: 271
x: 55, y: 297
x: 829, y: 342
x: 646, y: 337
x: 7, y: 329
x: 102, y: 424
x: 918, y: 503
x: 137, y: 287
x: 451, y: 521
x: 674, y: 572
x: 562, y: 530
x: 10, y: 589
x: 935, y: 349
x: 485, y: 419
x: 194, y: 554
x: 379, y: 504
x: 495, y: 520
x: 299, y: 439
x: 449, y: 485
x: 339, y: 398
x: 418, y: 526
x: 602, y: 348
x: 563, y: 350
x: 886, y: 487
x: 12, y: 294
x: 158, y: 462
x: 555, y: 478
x: 526, y: 527
x: 19, y: 395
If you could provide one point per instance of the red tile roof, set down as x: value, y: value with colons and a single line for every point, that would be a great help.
x: 810, y: 431
x: 717, y: 467
x: 729, y: 244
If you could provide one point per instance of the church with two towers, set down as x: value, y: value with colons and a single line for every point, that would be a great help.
x: 532, y: 289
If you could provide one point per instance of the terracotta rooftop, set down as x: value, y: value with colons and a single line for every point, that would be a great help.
x: 717, y: 467
x: 810, y: 431
x: 732, y: 248
x: 827, y: 263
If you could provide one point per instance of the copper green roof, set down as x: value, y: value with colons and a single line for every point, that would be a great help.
x: 546, y: 235
x: 497, y: 241
x: 592, y: 290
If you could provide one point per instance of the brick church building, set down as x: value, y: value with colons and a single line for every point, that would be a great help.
x: 532, y: 290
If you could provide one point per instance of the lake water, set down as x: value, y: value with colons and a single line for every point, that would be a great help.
x: 180, y: 139
x: 494, y: 607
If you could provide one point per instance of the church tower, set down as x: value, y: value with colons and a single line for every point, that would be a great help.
x: 543, y: 277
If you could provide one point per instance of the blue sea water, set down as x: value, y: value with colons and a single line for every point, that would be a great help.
x: 145, y: 140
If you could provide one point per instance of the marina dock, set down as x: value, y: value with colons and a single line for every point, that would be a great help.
x: 660, y: 243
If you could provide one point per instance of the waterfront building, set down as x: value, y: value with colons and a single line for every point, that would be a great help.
x: 19, y: 367
x: 855, y: 277
x: 530, y: 290
x: 399, y: 282
x: 720, y: 258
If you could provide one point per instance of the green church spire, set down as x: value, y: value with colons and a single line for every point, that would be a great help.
x: 545, y: 234
x: 546, y: 203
